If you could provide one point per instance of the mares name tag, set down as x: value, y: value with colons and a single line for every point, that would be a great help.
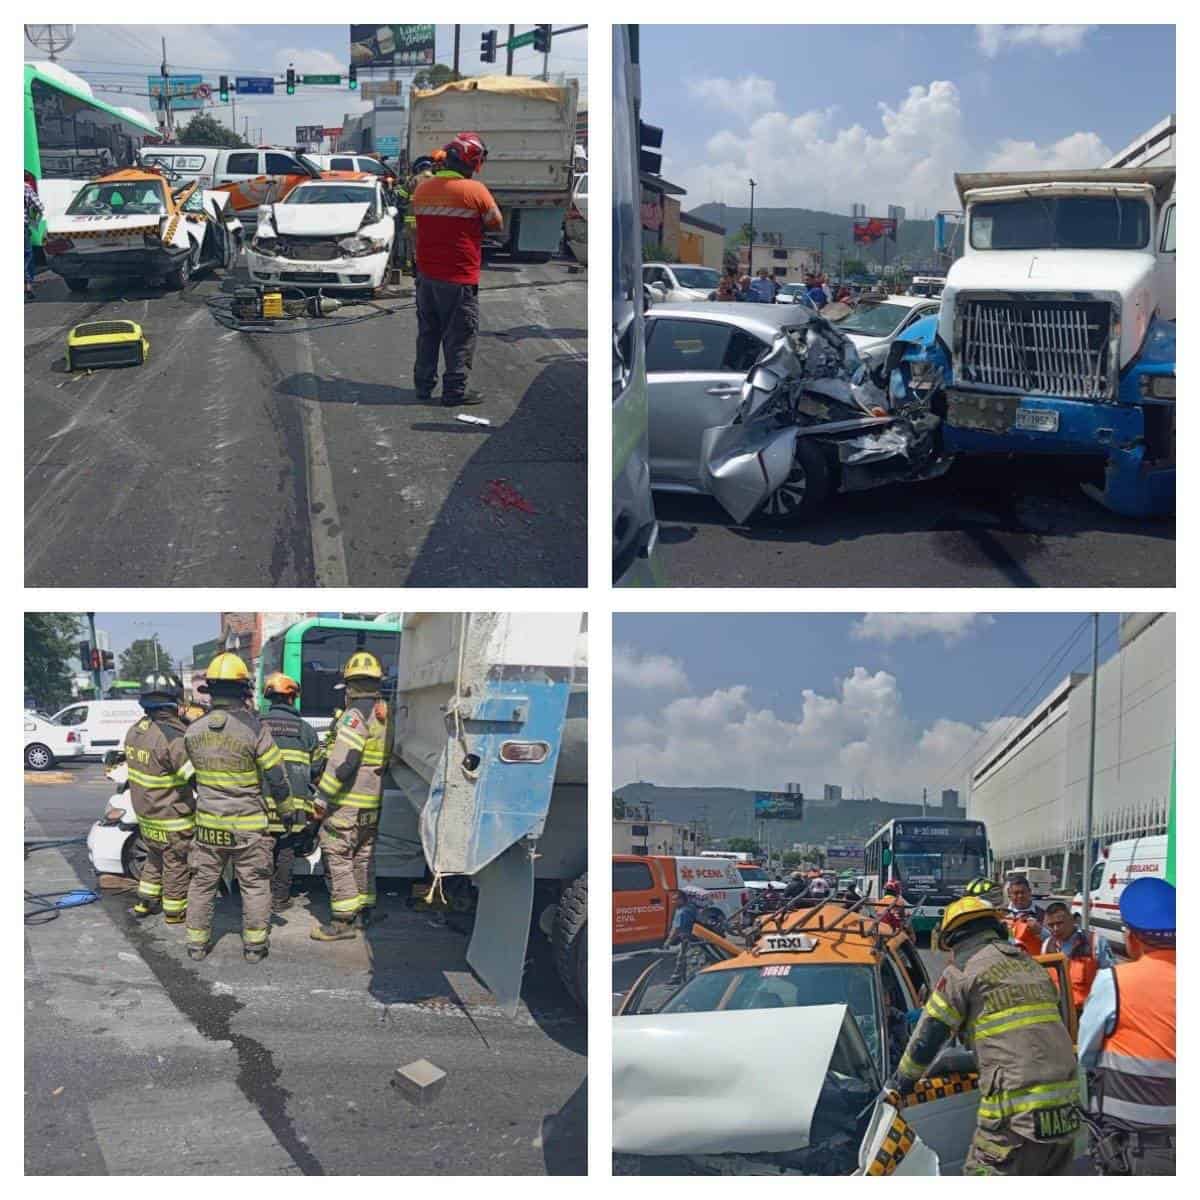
x: 214, y: 837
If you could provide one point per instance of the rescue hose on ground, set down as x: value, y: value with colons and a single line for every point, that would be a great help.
x: 43, y: 907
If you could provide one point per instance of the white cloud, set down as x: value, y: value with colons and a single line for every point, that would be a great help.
x: 991, y: 40
x: 893, y: 627
x: 309, y: 62
x: 1078, y: 150
x: 858, y: 736
x: 649, y: 671
x: 742, y: 96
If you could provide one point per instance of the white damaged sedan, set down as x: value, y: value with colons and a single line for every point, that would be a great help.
x: 333, y: 233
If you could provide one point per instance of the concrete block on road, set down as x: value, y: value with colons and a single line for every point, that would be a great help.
x: 420, y: 1082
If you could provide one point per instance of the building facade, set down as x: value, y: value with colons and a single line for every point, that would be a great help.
x: 701, y: 242
x: 1031, y: 787
x: 635, y: 835
x: 786, y: 264
x: 1154, y: 148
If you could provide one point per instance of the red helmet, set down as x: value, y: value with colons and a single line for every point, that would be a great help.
x: 469, y: 149
x: 893, y: 887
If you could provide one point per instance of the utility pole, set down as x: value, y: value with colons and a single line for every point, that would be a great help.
x: 1091, y: 784
x: 457, y: 37
x: 166, y: 87
x: 924, y: 795
x: 822, y: 235
x: 750, y: 253
x: 508, y: 48
x: 97, y: 663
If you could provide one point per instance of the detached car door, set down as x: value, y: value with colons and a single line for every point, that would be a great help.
x: 653, y: 987
x: 694, y: 375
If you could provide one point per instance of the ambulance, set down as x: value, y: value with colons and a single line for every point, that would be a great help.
x: 1119, y: 864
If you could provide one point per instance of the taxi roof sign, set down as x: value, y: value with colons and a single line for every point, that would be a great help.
x: 785, y: 943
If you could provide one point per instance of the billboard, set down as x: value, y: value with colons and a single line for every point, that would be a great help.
x: 868, y: 230
x: 778, y: 806
x: 371, y: 90
x: 182, y: 90
x: 309, y: 133
x: 849, y: 854
x: 391, y: 45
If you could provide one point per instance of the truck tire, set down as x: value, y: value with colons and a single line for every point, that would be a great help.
x: 569, y: 940
x: 76, y: 285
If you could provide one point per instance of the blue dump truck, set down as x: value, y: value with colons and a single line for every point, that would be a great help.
x: 1057, y: 328
x: 487, y: 793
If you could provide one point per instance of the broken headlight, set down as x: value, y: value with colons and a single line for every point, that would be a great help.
x: 356, y: 247
x: 264, y: 244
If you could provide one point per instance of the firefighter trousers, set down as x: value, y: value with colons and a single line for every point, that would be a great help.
x: 1002, y: 1152
x: 284, y: 858
x: 165, y: 876
x: 447, y: 320
x: 250, y: 854
x: 348, y: 850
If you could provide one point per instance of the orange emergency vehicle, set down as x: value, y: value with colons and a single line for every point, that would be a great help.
x: 643, y: 894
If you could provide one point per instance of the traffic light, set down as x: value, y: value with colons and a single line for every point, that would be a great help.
x: 95, y: 663
x: 541, y: 39
x: 650, y: 160
x: 223, y: 90
x: 85, y: 654
x: 106, y: 660
x: 487, y: 47
x: 353, y: 77
x: 291, y: 81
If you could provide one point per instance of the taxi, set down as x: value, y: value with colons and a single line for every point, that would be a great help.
x: 789, y: 1041
x: 133, y: 223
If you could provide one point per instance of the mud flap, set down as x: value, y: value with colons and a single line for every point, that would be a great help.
x: 502, y: 917
x: 743, y: 464
x: 891, y: 1146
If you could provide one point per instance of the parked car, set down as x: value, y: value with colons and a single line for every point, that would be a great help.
x: 363, y: 163
x: 830, y: 991
x: 875, y: 324
x: 101, y: 724
x: 325, y: 233
x: 135, y: 223
x: 680, y: 282
x: 794, y: 293
x: 46, y: 742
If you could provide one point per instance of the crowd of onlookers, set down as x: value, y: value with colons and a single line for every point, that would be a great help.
x: 817, y: 291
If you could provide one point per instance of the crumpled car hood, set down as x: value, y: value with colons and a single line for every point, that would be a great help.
x: 720, y: 1083
x: 316, y: 220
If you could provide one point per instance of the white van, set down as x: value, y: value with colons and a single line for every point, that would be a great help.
x: 215, y: 165
x: 352, y: 162
x: 1119, y: 864
x: 101, y: 724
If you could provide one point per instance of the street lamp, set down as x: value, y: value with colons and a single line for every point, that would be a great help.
x: 822, y: 235
x: 750, y: 254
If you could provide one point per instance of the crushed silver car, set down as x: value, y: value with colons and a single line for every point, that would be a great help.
x: 813, y: 420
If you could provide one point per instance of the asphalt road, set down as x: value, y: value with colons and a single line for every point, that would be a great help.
x: 140, y: 1062
x: 1024, y: 523
x: 303, y: 458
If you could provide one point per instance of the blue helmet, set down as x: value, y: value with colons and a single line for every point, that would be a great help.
x: 1148, y: 908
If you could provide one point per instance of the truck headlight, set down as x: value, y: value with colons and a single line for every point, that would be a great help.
x: 1161, y: 387
x: 919, y: 371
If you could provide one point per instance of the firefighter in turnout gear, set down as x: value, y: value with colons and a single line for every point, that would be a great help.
x: 235, y: 756
x: 297, y: 742
x: 1127, y: 1041
x: 160, y: 785
x: 1004, y: 1006
x: 352, y: 786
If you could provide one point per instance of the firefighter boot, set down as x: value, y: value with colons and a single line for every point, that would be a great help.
x: 198, y: 953
x: 255, y: 953
x: 364, y: 917
x: 335, y: 931
x: 174, y: 918
x: 145, y: 908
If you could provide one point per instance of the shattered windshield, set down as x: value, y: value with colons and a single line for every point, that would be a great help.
x: 1061, y: 223
x: 142, y: 198
x: 330, y: 195
x: 876, y: 320
x: 696, y: 277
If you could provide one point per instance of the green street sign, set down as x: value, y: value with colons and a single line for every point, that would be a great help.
x: 522, y: 39
x: 320, y: 79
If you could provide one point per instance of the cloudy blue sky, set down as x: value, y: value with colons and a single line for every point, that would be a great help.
x: 886, y: 702
x: 122, y: 56
x: 824, y: 116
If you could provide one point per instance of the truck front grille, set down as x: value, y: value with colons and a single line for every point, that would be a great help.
x: 1038, y: 347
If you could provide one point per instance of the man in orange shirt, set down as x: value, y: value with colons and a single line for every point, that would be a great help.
x: 452, y: 209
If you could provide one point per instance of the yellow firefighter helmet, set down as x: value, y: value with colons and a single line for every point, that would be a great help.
x: 963, y: 912
x: 362, y: 665
x: 227, y: 668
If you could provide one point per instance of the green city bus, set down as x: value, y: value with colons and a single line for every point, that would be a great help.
x: 70, y: 136
x: 313, y: 653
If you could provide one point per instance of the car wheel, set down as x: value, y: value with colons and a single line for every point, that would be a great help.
x: 803, y: 491
x: 714, y: 919
x: 77, y: 285
x: 133, y: 856
x: 38, y: 757
x: 178, y: 279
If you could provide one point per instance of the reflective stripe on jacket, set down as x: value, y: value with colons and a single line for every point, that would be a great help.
x: 234, y: 754
x: 362, y: 743
x: 297, y: 743
x: 1135, y: 1071
x: 160, y: 774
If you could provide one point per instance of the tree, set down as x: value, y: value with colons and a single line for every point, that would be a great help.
x: 744, y: 846
x: 792, y: 858
x: 743, y: 235
x: 50, y: 640
x: 433, y: 77
x: 138, y: 661
x: 854, y: 266
x: 618, y: 808
x: 203, y: 130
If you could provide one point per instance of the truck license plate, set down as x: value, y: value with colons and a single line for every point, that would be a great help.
x: 1040, y: 420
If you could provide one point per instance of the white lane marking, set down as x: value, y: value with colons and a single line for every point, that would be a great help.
x: 329, y: 551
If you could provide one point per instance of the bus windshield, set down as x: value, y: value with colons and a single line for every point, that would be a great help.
x: 938, y: 857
